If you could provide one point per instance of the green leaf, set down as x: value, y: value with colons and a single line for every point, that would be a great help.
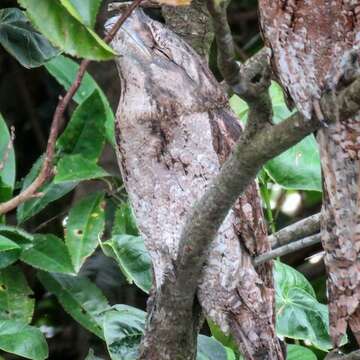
x: 16, y: 234
x: 226, y: 340
x: 210, y: 349
x: 298, y: 167
x: 19, y: 38
x: 50, y: 192
x: 83, y: 10
x: 299, y: 315
x: 7, y: 168
x: 23, y: 340
x: 124, y: 221
x: 9, y: 257
x: 48, y: 253
x: 85, y: 226
x: 123, y: 329
x: 64, y: 70
x: 6, y: 244
x: 132, y: 257
x: 77, y: 168
x: 15, y: 296
x: 64, y: 31
x: 297, y: 352
x: 80, y: 298
x: 85, y: 132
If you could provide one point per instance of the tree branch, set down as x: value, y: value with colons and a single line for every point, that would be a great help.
x: 46, y: 171
x: 252, y: 151
x: 300, y: 229
x: 288, y: 249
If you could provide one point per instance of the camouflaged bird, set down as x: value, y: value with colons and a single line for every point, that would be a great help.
x: 174, y: 129
x: 315, y: 48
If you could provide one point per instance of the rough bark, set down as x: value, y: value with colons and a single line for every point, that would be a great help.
x: 174, y: 130
x: 315, y: 48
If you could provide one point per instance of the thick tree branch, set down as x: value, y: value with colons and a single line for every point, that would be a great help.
x: 298, y: 230
x: 252, y: 151
x: 46, y: 171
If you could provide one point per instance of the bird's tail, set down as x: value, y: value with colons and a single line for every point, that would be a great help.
x: 340, y: 160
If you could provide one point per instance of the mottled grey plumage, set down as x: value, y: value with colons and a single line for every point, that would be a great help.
x: 174, y: 129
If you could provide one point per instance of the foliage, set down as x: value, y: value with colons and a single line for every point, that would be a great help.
x: 102, y: 218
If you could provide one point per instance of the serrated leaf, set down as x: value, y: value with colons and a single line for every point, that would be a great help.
x: 15, y: 296
x: 50, y: 192
x: 20, y: 39
x: 64, y: 31
x: 123, y: 329
x: 85, y: 225
x: 298, y: 167
x: 23, y: 340
x: 64, y: 70
x: 299, y: 315
x: 6, y: 244
x: 48, y: 253
x: 80, y: 298
x: 77, y: 168
x: 83, y: 10
x: 133, y: 259
x: 297, y: 352
x: 7, y: 169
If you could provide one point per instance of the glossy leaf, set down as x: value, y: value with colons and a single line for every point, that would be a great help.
x: 9, y: 257
x: 298, y: 167
x: 124, y: 221
x: 48, y: 253
x: 6, y: 244
x: 64, y: 70
x: 85, y: 226
x: 15, y: 296
x: 64, y: 31
x: 50, y: 192
x: 211, y: 349
x: 7, y: 168
x: 16, y: 234
x: 18, y: 237
x: 83, y: 10
x: 299, y: 315
x: 123, y: 329
x: 77, y: 168
x: 85, y: 132
x: 79, y: 297
x: 297, y: 352
x: 132, y: 257
x: 23, y: 340
x: 21, y: 40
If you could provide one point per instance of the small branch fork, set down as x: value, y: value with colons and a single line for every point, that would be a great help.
x: 46, y: 171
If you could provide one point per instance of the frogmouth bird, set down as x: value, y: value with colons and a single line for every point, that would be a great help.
x: 174, y: 129
x: 315, y: 49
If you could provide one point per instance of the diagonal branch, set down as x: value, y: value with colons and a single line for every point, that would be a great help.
x: 57, y: 124
x: 252, y: 151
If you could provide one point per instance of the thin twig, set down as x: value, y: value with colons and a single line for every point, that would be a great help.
x: 300, y: 229
x: 287, y: 249
x: 46, y: 171
x: 8, y: 148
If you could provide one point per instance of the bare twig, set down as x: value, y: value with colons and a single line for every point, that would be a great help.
x: 8, y: 148
x: 300, y: 229
x: 46, y: 171
x: 288, y: 249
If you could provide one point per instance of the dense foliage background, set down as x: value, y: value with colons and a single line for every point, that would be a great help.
x: 61, y: 293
